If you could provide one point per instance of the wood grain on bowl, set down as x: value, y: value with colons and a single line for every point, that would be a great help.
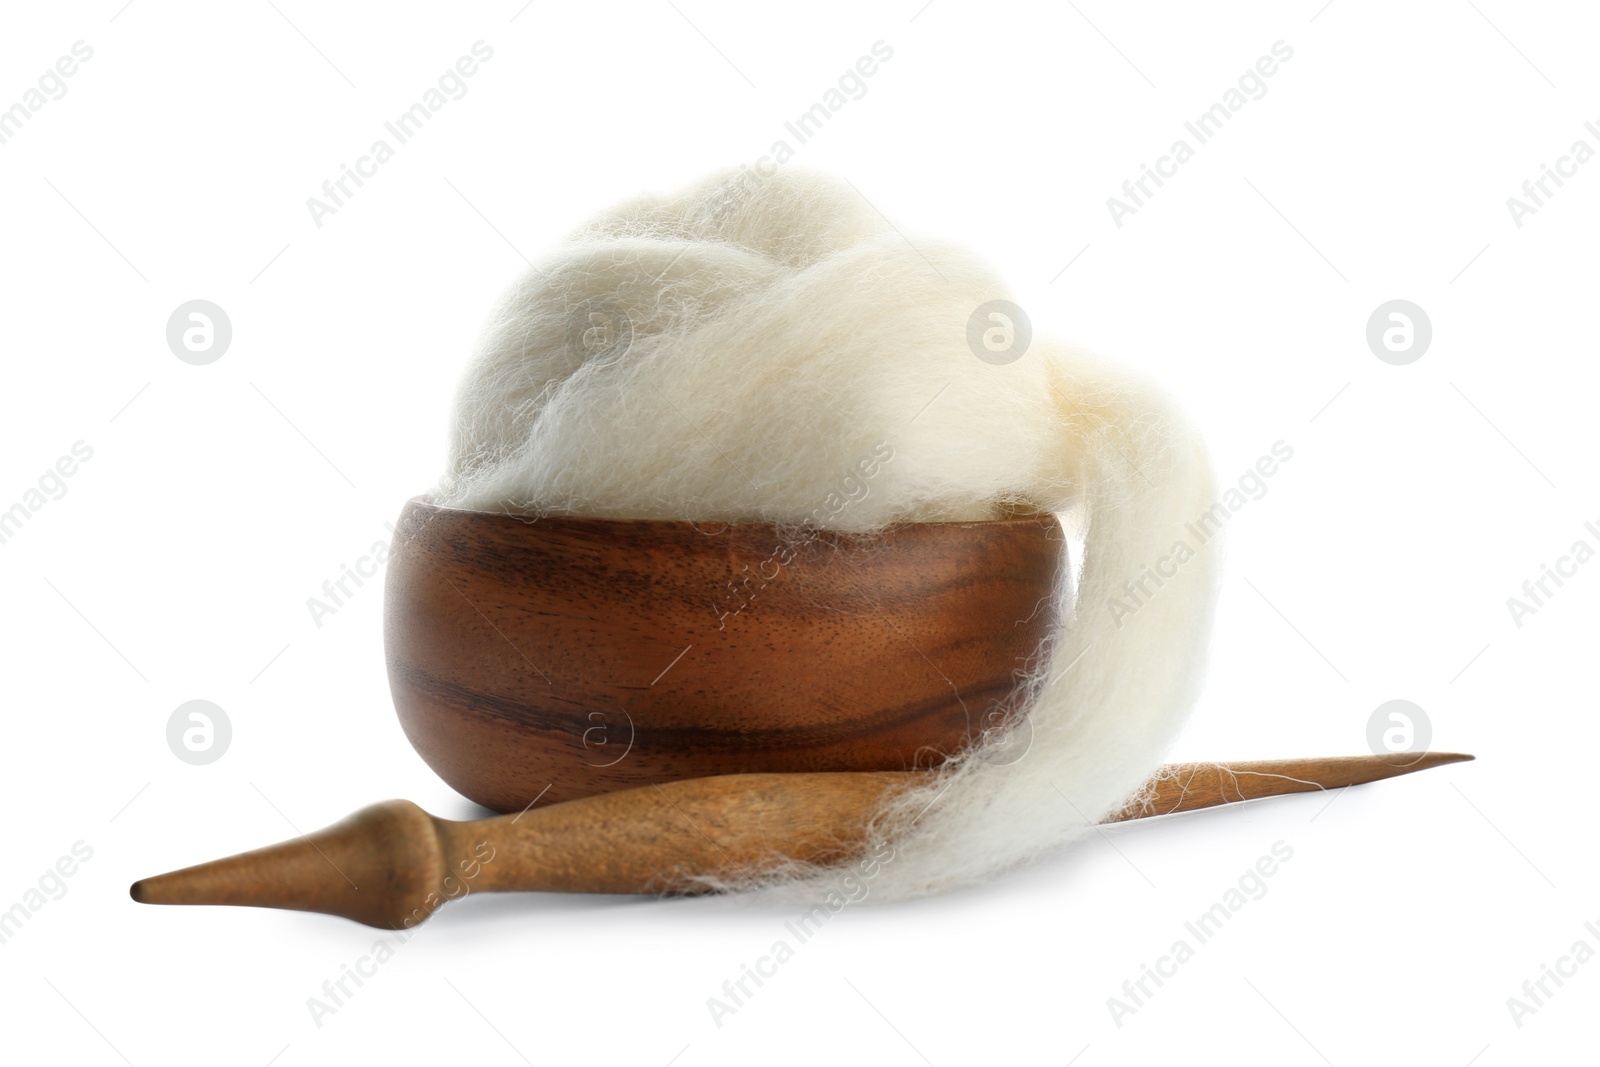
x: 565, y: 657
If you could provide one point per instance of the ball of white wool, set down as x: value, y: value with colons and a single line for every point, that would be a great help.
x: 734, y: 351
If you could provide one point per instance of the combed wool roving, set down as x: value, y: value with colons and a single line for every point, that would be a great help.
x: 757, y: 337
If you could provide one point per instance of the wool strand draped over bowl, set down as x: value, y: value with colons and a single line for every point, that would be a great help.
x: 767, y: 334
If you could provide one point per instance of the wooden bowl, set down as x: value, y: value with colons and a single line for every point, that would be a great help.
x: 564, y: 657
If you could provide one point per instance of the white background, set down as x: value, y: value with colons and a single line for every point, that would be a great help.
x: 219, y: 498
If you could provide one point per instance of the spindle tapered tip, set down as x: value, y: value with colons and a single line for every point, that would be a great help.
x: 377, y: 867
x: 1423, y: 760
x: 1191, y: 786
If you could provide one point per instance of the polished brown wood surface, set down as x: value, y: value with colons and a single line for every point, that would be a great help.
x: 561, y: 657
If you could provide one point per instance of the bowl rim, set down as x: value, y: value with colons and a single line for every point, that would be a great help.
x: 1021, y: 519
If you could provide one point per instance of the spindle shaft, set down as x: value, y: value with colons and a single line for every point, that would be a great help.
x: 392, y: 865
